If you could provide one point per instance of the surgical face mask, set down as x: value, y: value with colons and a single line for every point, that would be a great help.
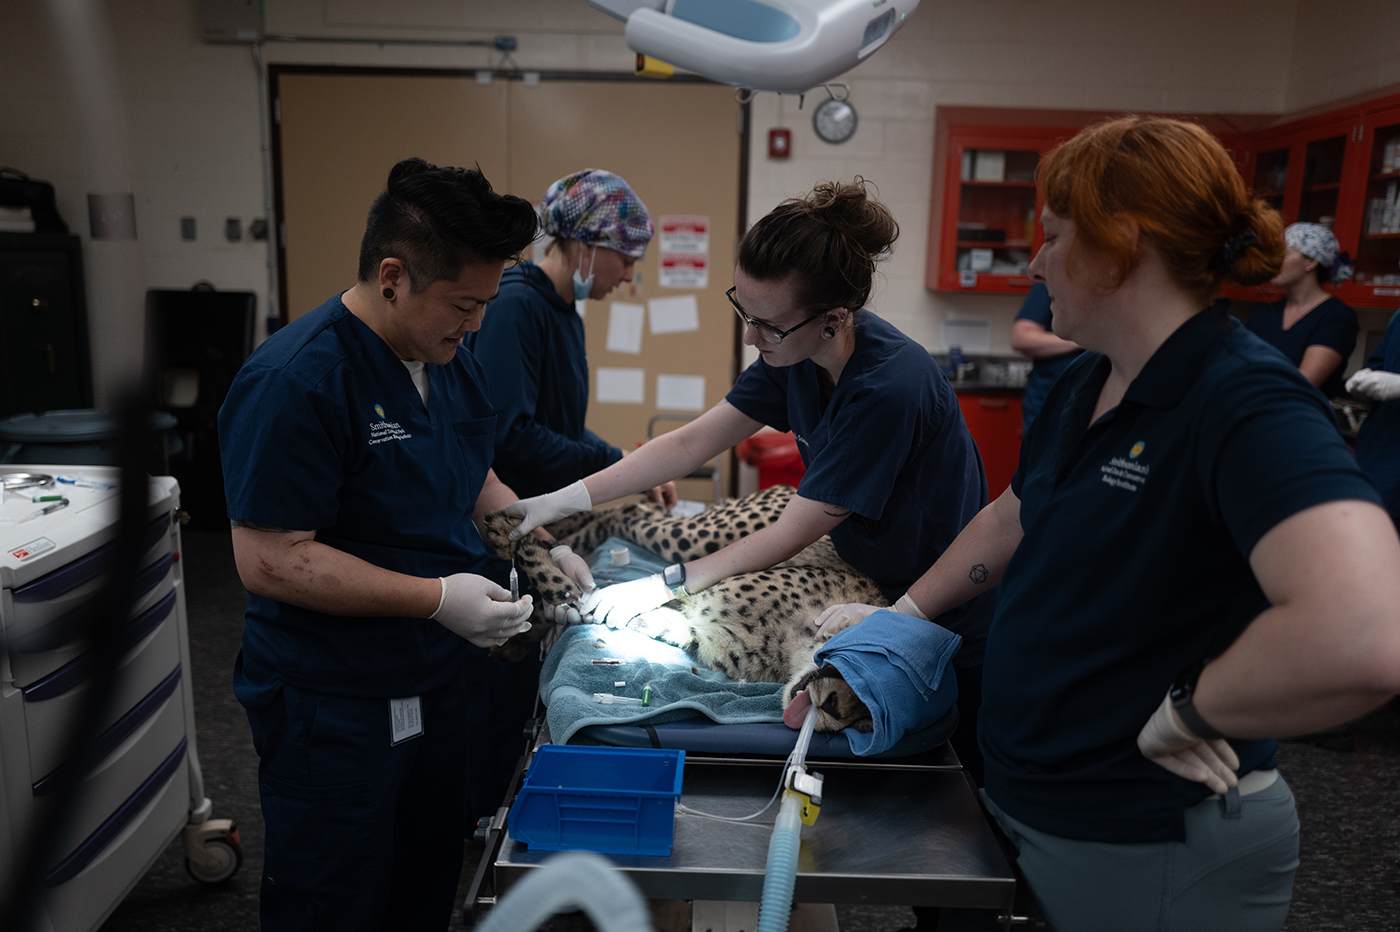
x: 584, y: 286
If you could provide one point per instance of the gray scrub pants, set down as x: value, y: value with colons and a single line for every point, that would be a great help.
x: 1234, y: 872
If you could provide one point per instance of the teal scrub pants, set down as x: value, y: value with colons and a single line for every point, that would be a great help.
x: 1234, y: 872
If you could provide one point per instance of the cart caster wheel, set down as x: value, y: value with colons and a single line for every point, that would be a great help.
x: 224, y: 856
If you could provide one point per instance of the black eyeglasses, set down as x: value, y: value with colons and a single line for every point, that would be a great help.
x: 768, y: 332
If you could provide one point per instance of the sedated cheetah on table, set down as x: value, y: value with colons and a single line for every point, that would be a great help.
x: 756, y: 627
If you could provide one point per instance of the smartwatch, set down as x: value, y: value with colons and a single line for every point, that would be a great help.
x: 1181, y: 695
x: 674, y: 578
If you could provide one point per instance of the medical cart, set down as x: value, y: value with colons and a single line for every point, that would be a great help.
x: 58, y: 527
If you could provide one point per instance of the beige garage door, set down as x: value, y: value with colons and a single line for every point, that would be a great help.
x: 677, y: 144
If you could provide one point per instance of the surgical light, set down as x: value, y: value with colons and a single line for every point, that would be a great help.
x: 788, y: 46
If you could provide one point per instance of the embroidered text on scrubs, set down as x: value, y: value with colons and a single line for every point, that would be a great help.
x: 1124, y: 474
x: 384, y: 431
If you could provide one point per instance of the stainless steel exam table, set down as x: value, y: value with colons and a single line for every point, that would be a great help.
x: 907, y: 832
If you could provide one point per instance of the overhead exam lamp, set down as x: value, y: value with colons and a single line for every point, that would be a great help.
x: 788, y: 46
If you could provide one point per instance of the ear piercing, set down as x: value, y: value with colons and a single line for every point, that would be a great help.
x: 829, y: 331
x: 388, y: 294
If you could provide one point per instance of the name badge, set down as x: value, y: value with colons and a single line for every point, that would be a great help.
x: 405, y: 720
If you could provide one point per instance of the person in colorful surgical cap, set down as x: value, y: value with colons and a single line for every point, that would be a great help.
x: 1315, y: 330
x: 531, y: 347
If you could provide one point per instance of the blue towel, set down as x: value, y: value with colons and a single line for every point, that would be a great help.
x: 898, y: 666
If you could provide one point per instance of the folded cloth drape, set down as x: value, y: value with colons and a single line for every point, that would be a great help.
x: 898, y: 666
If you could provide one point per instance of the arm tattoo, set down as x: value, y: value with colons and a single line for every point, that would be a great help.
x: 978, y: 574
x: 257, y: 526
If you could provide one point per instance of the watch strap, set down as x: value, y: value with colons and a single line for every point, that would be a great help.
x: 1183, y: 692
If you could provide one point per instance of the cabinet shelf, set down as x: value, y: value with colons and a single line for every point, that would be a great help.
x: 1380, y: 236
x: 1385, y: 176
x: 994, y: 244
x: 1330, y: 186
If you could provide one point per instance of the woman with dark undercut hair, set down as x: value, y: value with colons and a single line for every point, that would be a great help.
x: 357, y: 446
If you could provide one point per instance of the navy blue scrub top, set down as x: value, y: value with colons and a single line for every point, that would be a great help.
x: 1134, y: 565
x: 1046, y: 370
x: 1332, y: 324
x: 892, y: 447
x: 1378, y: 444
x: 323, y: 430
x: 531, y: 347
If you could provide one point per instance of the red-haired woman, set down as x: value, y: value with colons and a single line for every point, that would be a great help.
x: 1190, y: 562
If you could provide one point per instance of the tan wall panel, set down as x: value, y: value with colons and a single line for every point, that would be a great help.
x: 678, y: 147
x: 341, y: 133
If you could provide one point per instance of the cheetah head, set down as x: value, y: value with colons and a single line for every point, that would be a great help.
x: 838, y: 706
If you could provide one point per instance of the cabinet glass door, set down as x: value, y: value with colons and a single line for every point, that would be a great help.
x: 1322, y: 180
x: 1378, y: 255
x: 996, y: 211
x: 1270, y: 176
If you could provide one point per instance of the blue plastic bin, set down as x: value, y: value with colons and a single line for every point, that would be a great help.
x: 609, y: 800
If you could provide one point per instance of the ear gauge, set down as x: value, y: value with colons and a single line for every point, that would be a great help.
x: 388, y: 294
x: 829, y: 331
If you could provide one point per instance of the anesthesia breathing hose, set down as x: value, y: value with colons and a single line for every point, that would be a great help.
x: 801, y: 801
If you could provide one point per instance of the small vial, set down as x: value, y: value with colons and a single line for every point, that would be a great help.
x: 620, y: 556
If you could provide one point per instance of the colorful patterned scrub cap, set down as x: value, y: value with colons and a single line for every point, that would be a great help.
x: 597, y: 208
x: 1314, y: 241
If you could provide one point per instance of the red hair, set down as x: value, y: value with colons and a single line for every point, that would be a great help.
x: 1175, y: 181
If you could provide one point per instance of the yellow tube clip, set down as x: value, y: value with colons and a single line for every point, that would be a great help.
x: 648, y: 67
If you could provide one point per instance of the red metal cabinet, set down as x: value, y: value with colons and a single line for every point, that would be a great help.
x: 994, y: 420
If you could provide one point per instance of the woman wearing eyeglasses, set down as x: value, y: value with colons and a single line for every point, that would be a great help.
x: 892, y: 473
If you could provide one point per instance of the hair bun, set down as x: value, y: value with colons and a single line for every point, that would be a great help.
x: 1260, y: 256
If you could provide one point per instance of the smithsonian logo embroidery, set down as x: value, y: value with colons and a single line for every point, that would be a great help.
x: 1127, y: 474
x: 379, y: 410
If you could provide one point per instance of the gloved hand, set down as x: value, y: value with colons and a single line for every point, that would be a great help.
x: 475, y: 608
x: 552, y: 506
x: 1374, y: 385
x: 576, y: 568
x: 1165, y: 741
x: 907, y: 606
x: 837, y: 617
x: 614, y: 606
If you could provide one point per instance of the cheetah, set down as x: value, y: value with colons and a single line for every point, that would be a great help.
x: 753, y: 627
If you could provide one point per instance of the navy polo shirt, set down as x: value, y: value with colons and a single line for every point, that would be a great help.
x: 531, y: 347
x: 892, y: 447
x: 324, y: 431
x: 1378, y: 444
x: 1331, y: 324
x: 1134, y: 564
x: 1046, y: 370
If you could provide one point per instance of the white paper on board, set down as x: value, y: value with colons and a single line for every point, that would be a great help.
x: 625, y: 327
x: 622, y: 386
x: 680, y: 393
x: 674, y: 315
x: 972, y: 330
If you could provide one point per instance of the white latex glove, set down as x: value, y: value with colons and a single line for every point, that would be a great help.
x: 907, y: 606
x: 576, y: 568
x: 1165, y: 741
x: 552, y: 506
x: 1374, y: 385
x: 475, y: 608
x: 614, y: 606
x: 837, y: 617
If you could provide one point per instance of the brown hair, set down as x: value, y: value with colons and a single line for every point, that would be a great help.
x: 1178, y: 184
x: 828, y: 241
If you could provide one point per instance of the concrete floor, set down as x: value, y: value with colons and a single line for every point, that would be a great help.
x: 1349, y: 803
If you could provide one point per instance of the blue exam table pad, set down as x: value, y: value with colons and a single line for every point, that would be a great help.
x: 692, y: 708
